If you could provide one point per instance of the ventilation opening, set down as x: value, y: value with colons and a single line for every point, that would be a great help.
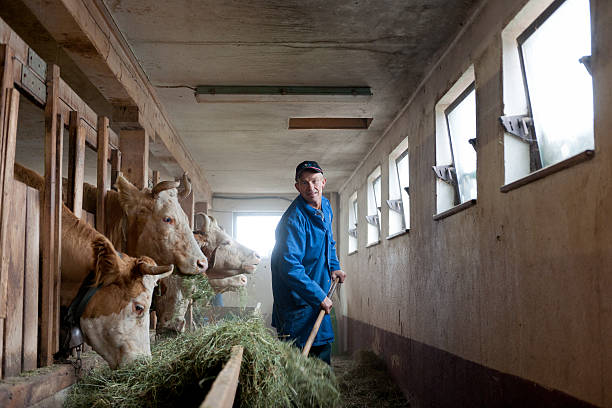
x: 329, y: 123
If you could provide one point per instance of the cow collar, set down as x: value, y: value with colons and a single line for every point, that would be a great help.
x: 73, y: 337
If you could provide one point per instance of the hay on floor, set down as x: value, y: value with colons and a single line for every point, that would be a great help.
x: 181, y: 370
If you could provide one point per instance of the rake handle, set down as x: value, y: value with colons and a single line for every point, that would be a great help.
x: 315, y: 328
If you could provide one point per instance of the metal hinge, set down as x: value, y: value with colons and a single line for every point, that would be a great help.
x: 407, y: 190
x: 396, y: 205
x: 518, y: 125
x: 353, y: 232
x: 474, y: 143
x: 445, y: 173
x: 586, y: 61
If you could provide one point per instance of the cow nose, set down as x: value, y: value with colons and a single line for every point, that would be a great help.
x: 202, y: 264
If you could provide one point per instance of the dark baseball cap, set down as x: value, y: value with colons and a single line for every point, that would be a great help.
x: 307, y: 165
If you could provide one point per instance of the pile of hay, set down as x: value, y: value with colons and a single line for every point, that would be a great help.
x: 273, y: 373
x: 365, y: 382
x: 197, y: 288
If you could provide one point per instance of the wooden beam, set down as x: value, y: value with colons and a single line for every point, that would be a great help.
x: 201, y: 207
x: 223, y: 390
x: 76, y: 164
x: 156, y: 178
x: 134, y: 146
x: 47, y: 317
x: 127, y: 117
x: 57, y: 231
x: 103, y: 175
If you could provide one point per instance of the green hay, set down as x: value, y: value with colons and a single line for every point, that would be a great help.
x: 365, y: 383
x: 198, y: 288
x: 181, y: 370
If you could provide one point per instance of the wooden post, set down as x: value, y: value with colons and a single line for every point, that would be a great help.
x: 115, y: 165
x: 57, y: 252
x: 8, y: 104
x: 30, y: 289
x: 9, y: 133
x: 134, y: 145
x: 76, y: 163
x: 102, y: 172
x: 156, y: 178
x: 201, y: 207
x: 49, y: 246
x: 187, y: 204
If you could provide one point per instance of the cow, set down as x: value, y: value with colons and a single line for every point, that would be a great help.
x: 115, y: 320
x: 228, y: 262
x: 147, y: 222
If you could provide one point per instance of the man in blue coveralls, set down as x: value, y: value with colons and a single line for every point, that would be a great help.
x: 304, y: 262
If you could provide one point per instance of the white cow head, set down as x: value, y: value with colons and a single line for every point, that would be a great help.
x: 226, y: 256
x: 158, y: 227
x: 116, y: 320
x: 229, y: 284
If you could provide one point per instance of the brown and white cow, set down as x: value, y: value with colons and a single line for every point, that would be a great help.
x: 228, y: 261
x: 115, y: 321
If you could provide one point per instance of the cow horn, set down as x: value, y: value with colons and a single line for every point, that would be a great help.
x: 185, y: 187
x: 155, y: 270
x: 163, y: 186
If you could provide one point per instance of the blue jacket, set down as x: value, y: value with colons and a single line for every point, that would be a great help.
x: 302, y: 261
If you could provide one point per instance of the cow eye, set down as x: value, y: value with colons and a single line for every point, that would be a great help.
x: 138, y: 308
x: 168, y: 220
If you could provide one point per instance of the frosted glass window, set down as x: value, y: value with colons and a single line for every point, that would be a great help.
x: 376, y: 187
x: 257, y: 232
x: 402, y: 175
x: 352, y: 230
x: 560, y: 89
x: 461, y: 119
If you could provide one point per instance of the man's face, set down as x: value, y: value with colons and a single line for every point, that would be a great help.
x: 310, y: 185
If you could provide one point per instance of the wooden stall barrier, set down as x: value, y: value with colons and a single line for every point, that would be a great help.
x: 76, y: 163
x: 102, y: 173
x: 223, y: 390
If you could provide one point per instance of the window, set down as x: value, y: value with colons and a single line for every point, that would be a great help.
x: 256, y: 231
x: 398, y: 202
x: 374, y: 206
x: 352, y: 224
x: 456, y: 144
x: 547, y: 80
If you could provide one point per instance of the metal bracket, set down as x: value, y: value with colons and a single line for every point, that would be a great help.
x: 518, y: 125
x: 586, y: 61
x: 37, y: 64
x: 407, y: 190
x: 445, y: 173
x: 31, y: 82
x: 474, y: 143
x: 373, y: 220
x: 396, y: 205
x: 353, y: 232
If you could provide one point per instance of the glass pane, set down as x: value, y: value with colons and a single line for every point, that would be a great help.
x: 403, y: 176
x: 355, y: 213
x: 560, y: 88
x: 376, y: 186
x: 257, y: 232
x: 462, y: 127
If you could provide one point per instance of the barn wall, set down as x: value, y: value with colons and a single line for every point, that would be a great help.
x: 472, y: 310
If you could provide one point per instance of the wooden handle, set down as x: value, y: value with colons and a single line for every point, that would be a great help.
x: 313, y: 333
x: 315, y: 328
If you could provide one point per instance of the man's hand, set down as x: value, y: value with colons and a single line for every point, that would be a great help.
x: 326, y: 305
x: 340, y: 274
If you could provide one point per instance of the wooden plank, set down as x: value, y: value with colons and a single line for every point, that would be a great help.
x: 13, y: 324
x: 134, y: 144
x: 57, y: 252
x: 47, y: 232
x: 115, y: 165
x: 1, y: 346
x: 188, y: 205
x: 6, y: 83
x: 76, y: 164
x: 30, y: 289
x: 102, y: 172
x: 223, y: 390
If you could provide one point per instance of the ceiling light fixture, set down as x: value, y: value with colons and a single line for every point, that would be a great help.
x: 240, y: 94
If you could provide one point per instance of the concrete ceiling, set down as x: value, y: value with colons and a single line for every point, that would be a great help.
x: 246, y: 147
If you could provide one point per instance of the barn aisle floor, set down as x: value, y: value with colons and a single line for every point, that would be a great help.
x: 364, y: 382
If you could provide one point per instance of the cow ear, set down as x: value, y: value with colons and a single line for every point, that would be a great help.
x: 129, y: 195
x: 106, y: 261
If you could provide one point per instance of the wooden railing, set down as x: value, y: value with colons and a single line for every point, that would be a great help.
x: 223, y: 390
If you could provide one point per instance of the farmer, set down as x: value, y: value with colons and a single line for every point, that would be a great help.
x: 304, y: 262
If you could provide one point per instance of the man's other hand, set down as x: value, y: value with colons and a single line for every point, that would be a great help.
x: 340, y: 274
x: 326, y: 305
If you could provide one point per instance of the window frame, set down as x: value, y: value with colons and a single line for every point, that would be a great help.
x: 374, y: 219
x: 399, y: 183
x: 354, y: 208
x: 462, y: 96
